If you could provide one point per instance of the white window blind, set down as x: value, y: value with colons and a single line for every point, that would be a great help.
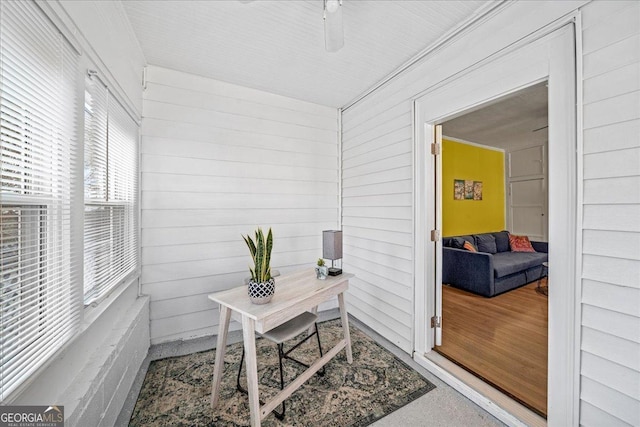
x: 39, y: 295
x: 111, y: 189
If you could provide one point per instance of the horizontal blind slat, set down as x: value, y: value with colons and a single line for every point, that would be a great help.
x: 38, y: 108
x: 111, y: 159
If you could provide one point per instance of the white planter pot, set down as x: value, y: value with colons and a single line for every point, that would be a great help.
x: 261, y: 293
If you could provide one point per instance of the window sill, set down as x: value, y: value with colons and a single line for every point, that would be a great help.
x: 76, y: 372
x: 94, y: 310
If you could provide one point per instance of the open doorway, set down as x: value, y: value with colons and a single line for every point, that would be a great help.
x: 549, y: 57
x: 499, y: 334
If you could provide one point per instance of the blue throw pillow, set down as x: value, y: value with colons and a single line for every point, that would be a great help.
x: 456, y: 242
x: 486, y: 243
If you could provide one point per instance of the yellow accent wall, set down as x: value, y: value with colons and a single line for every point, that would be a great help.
x: 470, y: 162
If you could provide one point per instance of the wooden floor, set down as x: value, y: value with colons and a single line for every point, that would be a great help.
x: 502, y: 340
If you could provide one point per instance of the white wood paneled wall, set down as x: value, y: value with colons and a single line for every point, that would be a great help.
x: 377, y: 222
x: 610, y: 348
x: 378, y: 176
x: 218, y: 160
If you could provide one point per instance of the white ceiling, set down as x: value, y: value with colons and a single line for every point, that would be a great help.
x: 278, y: 45
x: 517, y: 120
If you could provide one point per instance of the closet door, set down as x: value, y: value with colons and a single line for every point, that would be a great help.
x: 527, y: 199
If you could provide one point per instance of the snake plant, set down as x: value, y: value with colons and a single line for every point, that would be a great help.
x: 261, y: 254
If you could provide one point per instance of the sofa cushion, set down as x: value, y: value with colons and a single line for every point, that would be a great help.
x: 453, y: 242
x: 505, y: 263
x: 520, y: 244
x: 456, y: 242
x: 469, y: 239
x: 469, y: 246
x: 502, y: 241
x: 486, y: 243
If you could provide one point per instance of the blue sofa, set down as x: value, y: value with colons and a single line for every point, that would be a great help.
x: 490, y: 274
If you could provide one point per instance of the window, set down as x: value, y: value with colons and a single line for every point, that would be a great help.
x: 39, y: 298
x: 110, y: 192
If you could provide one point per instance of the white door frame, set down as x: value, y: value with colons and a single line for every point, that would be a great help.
x: 550, y: 56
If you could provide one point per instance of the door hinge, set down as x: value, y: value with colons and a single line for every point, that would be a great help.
x: 436, y: 322
x: 435, y: 149
x: 435, y: 235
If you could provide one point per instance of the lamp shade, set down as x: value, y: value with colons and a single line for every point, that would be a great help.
x: 332, y: 244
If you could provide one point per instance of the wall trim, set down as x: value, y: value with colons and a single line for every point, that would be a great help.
x: 340, y: 170
x: 482, y: 14
x: 577, y: 332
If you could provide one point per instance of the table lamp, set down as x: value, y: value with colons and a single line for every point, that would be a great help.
x: 332, y: 249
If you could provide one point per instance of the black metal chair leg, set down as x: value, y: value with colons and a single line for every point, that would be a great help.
x: 282, y: 355
x: 321, y: 371
x: 280, y: 416
x: 241, y: 389
x: 238, y: 386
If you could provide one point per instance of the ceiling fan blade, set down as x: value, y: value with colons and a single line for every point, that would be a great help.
x: 333, y: 30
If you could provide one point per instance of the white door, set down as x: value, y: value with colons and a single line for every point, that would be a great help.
x: 527, y: 190
x: 436, y: 238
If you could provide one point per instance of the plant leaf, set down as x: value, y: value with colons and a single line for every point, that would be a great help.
x: 260, y: 253
x: 267, y: 260
x: 251, y: 245
x: 252, y: 250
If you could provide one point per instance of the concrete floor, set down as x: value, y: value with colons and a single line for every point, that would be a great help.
x: 442, y: 406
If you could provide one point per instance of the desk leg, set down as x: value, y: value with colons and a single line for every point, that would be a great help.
x: 345, y: 327
x: 248, y: 333
x: 218, y: 367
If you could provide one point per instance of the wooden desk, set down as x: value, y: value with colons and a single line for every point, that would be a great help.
x: 295, y: 293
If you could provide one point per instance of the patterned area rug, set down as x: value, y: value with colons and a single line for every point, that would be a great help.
x: 176, y: 390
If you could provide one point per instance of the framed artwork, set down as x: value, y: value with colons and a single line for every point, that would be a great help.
x: 467, y: 189
x: 477, y: 190
x: 458, y: 189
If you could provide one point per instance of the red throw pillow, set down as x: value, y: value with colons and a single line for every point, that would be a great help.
x: 520, y: 244
x: 469, y: 246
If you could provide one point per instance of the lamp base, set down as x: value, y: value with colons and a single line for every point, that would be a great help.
x: 335, y: 271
